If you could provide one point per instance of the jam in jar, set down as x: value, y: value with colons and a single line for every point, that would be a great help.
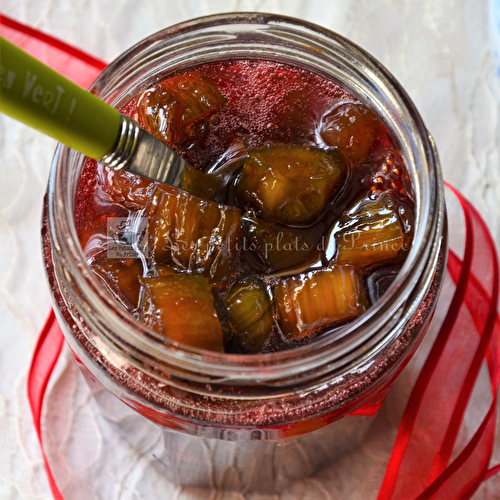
x: 294, y: 216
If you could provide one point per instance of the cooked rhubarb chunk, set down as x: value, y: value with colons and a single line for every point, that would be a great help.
x: 370, y: 233
x: 177, y: 109
x: 181, y: 307
x: 310, y: 302
x: 200, y: 184
x: 193, y: 234
x: 351, y: 128
x: 130, y: 190
x: 214, y: 185
x: 121, y: 276
x: 289, y: 184
x: 249, y: 309
x: 160, y: 271
x: 272, y: 247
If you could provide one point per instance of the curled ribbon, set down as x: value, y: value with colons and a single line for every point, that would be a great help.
x: 419, y: 467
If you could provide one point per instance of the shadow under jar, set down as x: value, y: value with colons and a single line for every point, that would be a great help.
x: 274, y: 417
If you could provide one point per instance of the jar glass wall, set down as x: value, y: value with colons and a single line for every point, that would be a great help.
x: 265, y: 405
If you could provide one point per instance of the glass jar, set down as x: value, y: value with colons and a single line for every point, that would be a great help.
x: 272, y: 411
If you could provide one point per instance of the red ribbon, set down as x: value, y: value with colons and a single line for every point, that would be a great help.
x: 419, y: 467
x: 45, y: 356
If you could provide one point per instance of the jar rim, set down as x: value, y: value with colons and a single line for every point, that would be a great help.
x: 324, y: 349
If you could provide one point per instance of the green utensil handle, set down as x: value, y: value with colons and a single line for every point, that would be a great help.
x: 36, y: 95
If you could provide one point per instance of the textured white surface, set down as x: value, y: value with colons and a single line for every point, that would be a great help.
x: 438, y: 49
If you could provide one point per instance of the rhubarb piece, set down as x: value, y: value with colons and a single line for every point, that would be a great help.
x: 248, y: 306
x: 130, y: 190
x: 121, y: 277
x: 193, y: 234
x: 289, y: 184
x: 310, y: 302
x: 370, y: 233
x: 272, y: 247
x: 160, y: 271
x: 200, y: 184
x: 181, y: 307
x: 214, y: 185
x: 177, y: 109
x: 353, y: 129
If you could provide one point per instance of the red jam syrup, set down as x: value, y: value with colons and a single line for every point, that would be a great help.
x: 295, y: 217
